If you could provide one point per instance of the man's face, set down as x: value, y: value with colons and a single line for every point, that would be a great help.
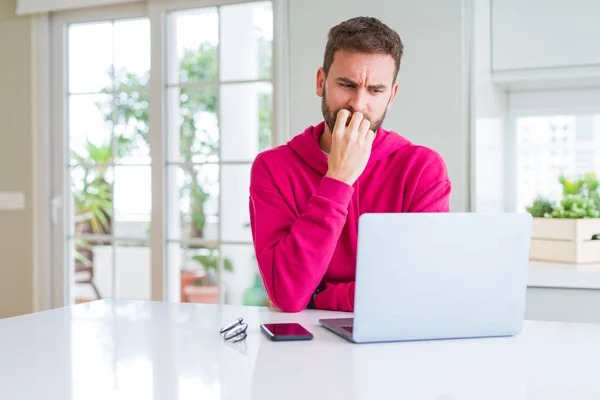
x: 357, y: 82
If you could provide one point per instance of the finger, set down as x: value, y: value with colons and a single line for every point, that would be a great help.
x: 340, y: 122
x: 357, y: 118
x: 363, y: 129
x: 370, y: 137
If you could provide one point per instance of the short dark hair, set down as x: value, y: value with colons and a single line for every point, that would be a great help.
x: 363, y: 35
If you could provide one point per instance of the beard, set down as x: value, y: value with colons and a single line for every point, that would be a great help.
x: 330, y: 116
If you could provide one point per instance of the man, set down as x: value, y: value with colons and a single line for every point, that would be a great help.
x: 306, y: 196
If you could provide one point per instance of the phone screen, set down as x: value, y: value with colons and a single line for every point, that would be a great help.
x: 287, y: 329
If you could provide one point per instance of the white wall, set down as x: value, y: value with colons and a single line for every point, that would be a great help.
x: 431, y: 108
x: 545, y: 34
x: 490, y: 113
x: 545, y: 44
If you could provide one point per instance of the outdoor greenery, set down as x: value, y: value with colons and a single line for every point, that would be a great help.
x: 93, y: 196
x: 210, y: 264
x: 581, y: 199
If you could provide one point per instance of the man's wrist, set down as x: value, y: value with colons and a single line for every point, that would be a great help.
x: 337, y: 177
x: 311, y: 303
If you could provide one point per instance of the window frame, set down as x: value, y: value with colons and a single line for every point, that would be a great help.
x: 58, y: 278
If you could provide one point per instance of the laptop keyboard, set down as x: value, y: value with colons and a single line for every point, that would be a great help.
x: 347, y: 328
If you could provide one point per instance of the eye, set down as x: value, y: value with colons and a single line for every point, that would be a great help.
x: 346, y: 85
x: 377, y: 90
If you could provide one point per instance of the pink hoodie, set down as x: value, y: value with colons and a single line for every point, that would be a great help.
x: 305, y: 225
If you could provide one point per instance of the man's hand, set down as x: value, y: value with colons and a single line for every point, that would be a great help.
x: 350, y: 147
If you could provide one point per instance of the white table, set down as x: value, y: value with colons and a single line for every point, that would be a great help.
x: 144, y: 350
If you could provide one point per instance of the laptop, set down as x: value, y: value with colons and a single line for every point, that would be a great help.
x: 428, y: 276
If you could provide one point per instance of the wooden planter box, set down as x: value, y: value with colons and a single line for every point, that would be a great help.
x: 565, y: 240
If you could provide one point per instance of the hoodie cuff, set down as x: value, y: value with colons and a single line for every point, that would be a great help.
x: 335, y: 190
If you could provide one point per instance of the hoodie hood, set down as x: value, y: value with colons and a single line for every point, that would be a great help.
x: 306, y: 146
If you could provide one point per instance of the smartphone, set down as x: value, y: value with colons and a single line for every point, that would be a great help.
x: 285, y: 332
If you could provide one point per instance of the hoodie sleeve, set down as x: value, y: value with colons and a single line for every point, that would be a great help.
x: 294, y: 250
x: 428, y: 189
x: 336, y: 296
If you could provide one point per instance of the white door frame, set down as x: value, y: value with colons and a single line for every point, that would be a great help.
x: 41, y: 182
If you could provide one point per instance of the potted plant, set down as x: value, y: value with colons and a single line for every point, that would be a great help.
x: 567, y: 230
x: 204, y: 287
x: 92, y: 209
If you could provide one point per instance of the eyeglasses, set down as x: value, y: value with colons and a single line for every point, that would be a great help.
x: 235, y: 330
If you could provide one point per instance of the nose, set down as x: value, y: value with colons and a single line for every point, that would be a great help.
x: 358, y: 101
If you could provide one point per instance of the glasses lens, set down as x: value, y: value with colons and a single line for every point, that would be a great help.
x: 237, y: 331
x: 240, y: 337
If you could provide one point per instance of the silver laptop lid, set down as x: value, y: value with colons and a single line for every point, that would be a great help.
x: 440, y: 275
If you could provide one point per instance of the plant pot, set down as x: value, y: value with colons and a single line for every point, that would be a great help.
x: 565, y: 240
x: 189, y: 278
x: 202, y: 294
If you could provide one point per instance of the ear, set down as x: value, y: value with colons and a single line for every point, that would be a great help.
x: 320, y: 81
x: 394, y: 93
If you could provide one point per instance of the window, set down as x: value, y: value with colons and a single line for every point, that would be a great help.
x: 108, y: 162
x: 557, y: 133
x: 215, y: 103
x: 220, y: 105
x: 551, y: 146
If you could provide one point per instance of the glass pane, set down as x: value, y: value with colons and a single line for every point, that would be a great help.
x: 193, y: 37
x: 199, y: 273
x: 132, y: 201
x: 86, y: 262
x: 132, y: 271
x: 90, y: 128
x: 554, y: 145
x: 90, y: 57
x: 120, y: 270
x: 103, y: 269
x: 242, y: 284
x: 193, y: 202
x: 547, y: 147
x: 133, y: 127
x: 92, y: 200
x: 132, y: 52
x: 246, y: 120
x: 193, y: 126
x: 246, y: 41
x: 235, y: 217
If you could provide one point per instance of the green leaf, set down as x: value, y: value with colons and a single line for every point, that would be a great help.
x: 540, y: 208
x: 211, y: 261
